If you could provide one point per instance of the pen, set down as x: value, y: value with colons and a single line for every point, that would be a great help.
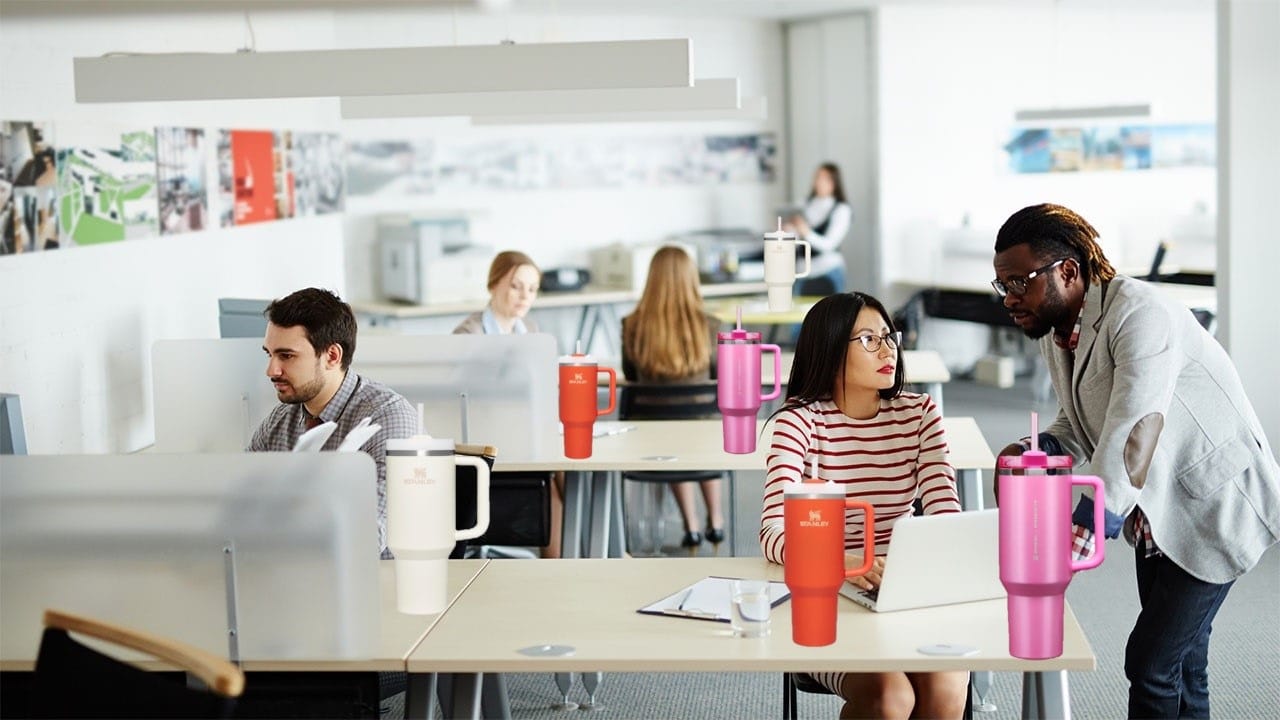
x: 684, y: 599
x: 620, y: 430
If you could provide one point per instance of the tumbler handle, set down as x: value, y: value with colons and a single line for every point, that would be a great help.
x: 777, y: 371
x: 482, y: 497
x: 808, y: 259
x: 1099, y: 523
x: 869, y: 532
x: 613, y: 390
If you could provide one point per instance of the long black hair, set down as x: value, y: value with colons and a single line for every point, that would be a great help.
x: 824, y: 344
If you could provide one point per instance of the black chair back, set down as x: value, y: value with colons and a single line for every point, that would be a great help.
x: 682, y: 401
x: 72, y: 680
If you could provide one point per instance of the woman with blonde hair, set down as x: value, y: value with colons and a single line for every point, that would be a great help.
x: 670, y: 339
x: 513, y: 286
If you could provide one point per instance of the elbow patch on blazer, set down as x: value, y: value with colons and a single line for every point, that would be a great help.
x: 1140, y: 446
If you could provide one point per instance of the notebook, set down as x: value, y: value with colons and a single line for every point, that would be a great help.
x: 603, y: 428
x: 711, y: 598
x: 937, y: 560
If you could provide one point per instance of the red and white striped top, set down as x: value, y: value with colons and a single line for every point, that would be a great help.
x: 888, y: 460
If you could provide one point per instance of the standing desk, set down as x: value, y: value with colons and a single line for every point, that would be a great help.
x: 679, y: 445
x: 591, y: 606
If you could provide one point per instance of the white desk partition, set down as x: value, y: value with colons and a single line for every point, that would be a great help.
x: 117, y: 536
x: 210, y: 394
x: 510, y: 383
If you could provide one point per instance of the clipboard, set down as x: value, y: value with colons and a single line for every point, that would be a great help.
x: 710, y: 598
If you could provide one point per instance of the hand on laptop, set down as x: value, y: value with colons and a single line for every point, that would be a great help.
x: 871, y: 580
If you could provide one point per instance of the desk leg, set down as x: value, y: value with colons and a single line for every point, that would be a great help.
x: 971, y: 494
x: 934, y: 390
x: 466, y: 696
x: 1045, y: 696
x: 617, y: 525
x: 571, y: 527
x: 419, y: 698
x: 601, y: 514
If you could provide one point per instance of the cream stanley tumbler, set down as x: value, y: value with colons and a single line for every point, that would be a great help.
x: 780, y: 266
x: 813, y: 566
x: 421, y: 492
x: 738, y: 385
x: 1035, y: 545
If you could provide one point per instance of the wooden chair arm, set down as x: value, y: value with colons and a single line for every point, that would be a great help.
x: 220, y: 675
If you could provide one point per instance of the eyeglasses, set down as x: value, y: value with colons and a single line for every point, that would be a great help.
x: 1018, y: 285
x: 872, y: 343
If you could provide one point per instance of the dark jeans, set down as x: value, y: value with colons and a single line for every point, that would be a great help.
x: 1167, y: 658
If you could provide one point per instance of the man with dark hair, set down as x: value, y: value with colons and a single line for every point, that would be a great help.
x: 1153, y: 403
x: 310, y: 341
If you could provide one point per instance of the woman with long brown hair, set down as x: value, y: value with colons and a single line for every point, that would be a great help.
x: 669, y: 338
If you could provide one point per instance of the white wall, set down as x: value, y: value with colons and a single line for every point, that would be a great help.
x: 951, y: 78
x: 1249, y: 184
x: 76, y: 325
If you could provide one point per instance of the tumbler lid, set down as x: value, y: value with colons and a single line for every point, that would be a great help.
x: 577, y: 357
x: 780, y: 234
x: 1034, y: 459
x: 738, y: 336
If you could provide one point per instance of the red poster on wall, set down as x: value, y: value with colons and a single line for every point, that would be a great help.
x: 254, y: 176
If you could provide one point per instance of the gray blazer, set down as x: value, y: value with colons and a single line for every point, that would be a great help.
x: 1154, y: 405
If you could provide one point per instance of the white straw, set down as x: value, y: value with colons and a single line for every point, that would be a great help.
x: 739, y: 317
x: 1035, y: 434
x: 813, y: 467
x: 577, y: 347
x: 422, y: 419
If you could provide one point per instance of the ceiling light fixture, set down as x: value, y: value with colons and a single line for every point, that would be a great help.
x: 118, y: 77
x: 753, y: 109
x: 1084, y: 113
x: 706, y: 94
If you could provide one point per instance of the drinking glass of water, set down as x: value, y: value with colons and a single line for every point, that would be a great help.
x: 751, y: 608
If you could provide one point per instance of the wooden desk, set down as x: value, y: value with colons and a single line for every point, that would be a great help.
x: 398, y: 633
x: 596, y: 302
x: 687, y: 445
x: 590, y: 605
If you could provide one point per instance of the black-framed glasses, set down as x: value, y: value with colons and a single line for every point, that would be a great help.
x: 1018, y: 285
x: 872, y: 343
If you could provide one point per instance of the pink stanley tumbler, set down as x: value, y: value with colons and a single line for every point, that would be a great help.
x: 1035, y: 545
x: 813, y: 566
x: 738, y: 385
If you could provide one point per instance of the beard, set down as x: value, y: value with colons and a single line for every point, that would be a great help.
x: 296, y: 395
x: 1053, y: 309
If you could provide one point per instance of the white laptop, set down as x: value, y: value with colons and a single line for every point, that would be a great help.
x: 937, y: 560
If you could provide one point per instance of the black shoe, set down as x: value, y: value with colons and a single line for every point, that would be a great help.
x: 715, y: 535
x: 691, y: 539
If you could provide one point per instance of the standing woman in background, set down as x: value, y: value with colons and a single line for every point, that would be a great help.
x: 513, y: 286
x: 823, y: 224
x: 669, y: 338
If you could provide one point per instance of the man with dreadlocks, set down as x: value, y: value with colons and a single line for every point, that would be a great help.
x: 1152, y: 402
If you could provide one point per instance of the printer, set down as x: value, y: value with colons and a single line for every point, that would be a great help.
x: 727, y: 254
x: 431, y: 260
x: 623, y: 266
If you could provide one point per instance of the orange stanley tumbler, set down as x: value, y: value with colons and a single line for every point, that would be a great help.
x: 578, y: 409
x: 814, y: 557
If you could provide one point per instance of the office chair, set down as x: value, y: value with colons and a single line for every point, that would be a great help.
x: 74, y: 680
x: 519, y: 509
x: 1153, y: 275
x: 13, y: 437
x: 803, y: 682
x: 686, y: 401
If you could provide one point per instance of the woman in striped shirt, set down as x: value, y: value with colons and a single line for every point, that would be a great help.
x: 846, y: 409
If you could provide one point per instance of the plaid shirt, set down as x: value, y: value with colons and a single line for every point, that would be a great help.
x: 1082, y: 540
x: 356, y: 399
